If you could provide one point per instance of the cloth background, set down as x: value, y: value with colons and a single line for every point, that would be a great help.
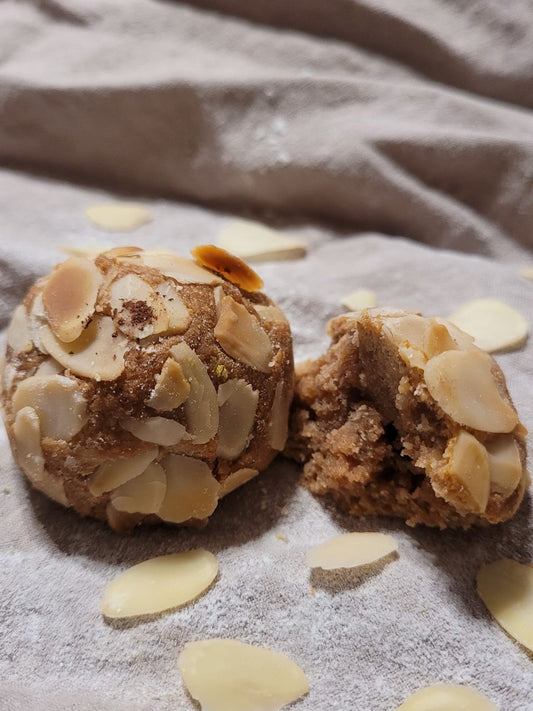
x: 397, y: 139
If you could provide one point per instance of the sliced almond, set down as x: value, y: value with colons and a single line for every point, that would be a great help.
x: 258, y: 243
x: 179, y: 316
x: 495, y: 326
x: 9, y: 373
x: 69, y: 297
x: 49, y: 366
x: 27, y: 433
x: 120, y: 252
x: 447, y: 697
x: 118, y: 216
x: 229, y: 266
x: 181, y: 269
x: 437, y: 339
x: 58, y: 401
x: 237, y: 402
x: 192, y: 490
x: 37, y: 320
x: 201, y: 406
x: 407, y: 329
x: 469, y: 465
x: 359, y: 299
x: 159, y: 430
x: 171, y: 387
x: 505, y: 464
x: 271, y: 314
x: 160, y: 584
x: 98, y: 353
x: 241, y: 335
x: 226, y: 675
x: 236, y: 479
x: 279, y: 422
x: 18, y: 336
x: 112, y: 474
x: 143, y: 494
x: 506, y: 588
x: 137, y: 310
x: 351, y: 550
x: 463, y: 385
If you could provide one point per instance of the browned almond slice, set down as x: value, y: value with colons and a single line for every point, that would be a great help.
x: 504, y: 463
x: 112, y: 474
x: 138, y: 311
x: 241, y: 335
x: 201, y: 405
x: 279, y: 423
x: 237, y: 402
x: 226, y: 675
x: 98, y: 353
x: 506, y: 588
x: 58, y: 401
x: 192, y: 490
x: 171, y: 387
x: 463, y: 385
x: 181, y: 269
x: 18, y: 335
x: 351, y: 550
x: 118, y: 216
x: 256, y: 242
x: 232, y: 268
x: 69, y: 297
x: 447, y: 697
x: 143, y: 494
x: 160, y: 584
x: 236, y: 479
x: 469, y: 464
x: 159, y: 430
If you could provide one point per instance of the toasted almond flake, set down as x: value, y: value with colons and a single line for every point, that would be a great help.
x: 236, y: 479
x: 255, y: 242
x: 241, y: 335
x: 351, y: 550
x: 137, y: 309
x: 171, y: 388
x: 69, y: 297
x: 181, y: 269
x: 160, y: 584
x: 143, y: 494
x: 179, y: 316
x: 159, y: 430
x: 527, y: 272
x: 237, y: 402
x: 495, y: 326
x: 112, y: 474
x: 271, y: 314
x: 201, y: 406
x: 98, y: 353
x: 118, y: 216
x: 469, y: 465
x: 192, y: 490
x: 18, y: 332
x: 229, y: 266
x: 447, y: 697
x: 27, y: 433
x: 463, y: 385
x: 226, y: 675
x: 359, y: 299
x: 58, y: 401
x: 506, y: 588
x: 505, y: 464
x: 279, y: 422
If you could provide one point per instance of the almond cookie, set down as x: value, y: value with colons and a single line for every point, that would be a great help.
x: 142, y: 386
x: 405, y: 416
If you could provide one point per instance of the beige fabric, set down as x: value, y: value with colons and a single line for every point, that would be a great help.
x: 344, y: 122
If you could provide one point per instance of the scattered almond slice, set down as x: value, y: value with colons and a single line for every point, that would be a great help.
x: 192, y: 490
x: 159, y: 430
x: 171, y: 388
x: 181, y: 269
x: 447, y: 697
x: 98, y: 353
x: 138, y: 311
x: 237, y: 402
x: 351, y: 550
x: 143, y: 494
x: 495, y: 326
x: 226, y: 675
x: 112, y: 474
x: 69, y: 297
x: 236, y: 479
x: 506, y: 588
x: 241, y: 335
x: 359, y: 299
x: 526, y: 272
x: 160, y: 584
x: 258, y: 243
x: 229, y: 266
x: 118, y: 216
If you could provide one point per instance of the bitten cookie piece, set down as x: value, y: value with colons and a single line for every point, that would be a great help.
x: 405, y: 416
x: 141, y: 386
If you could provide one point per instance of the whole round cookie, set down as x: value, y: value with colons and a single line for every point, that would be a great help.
x: 405, y: 416
x: 142, y: 386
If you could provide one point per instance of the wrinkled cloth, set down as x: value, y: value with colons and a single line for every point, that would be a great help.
x: 396, y: 139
